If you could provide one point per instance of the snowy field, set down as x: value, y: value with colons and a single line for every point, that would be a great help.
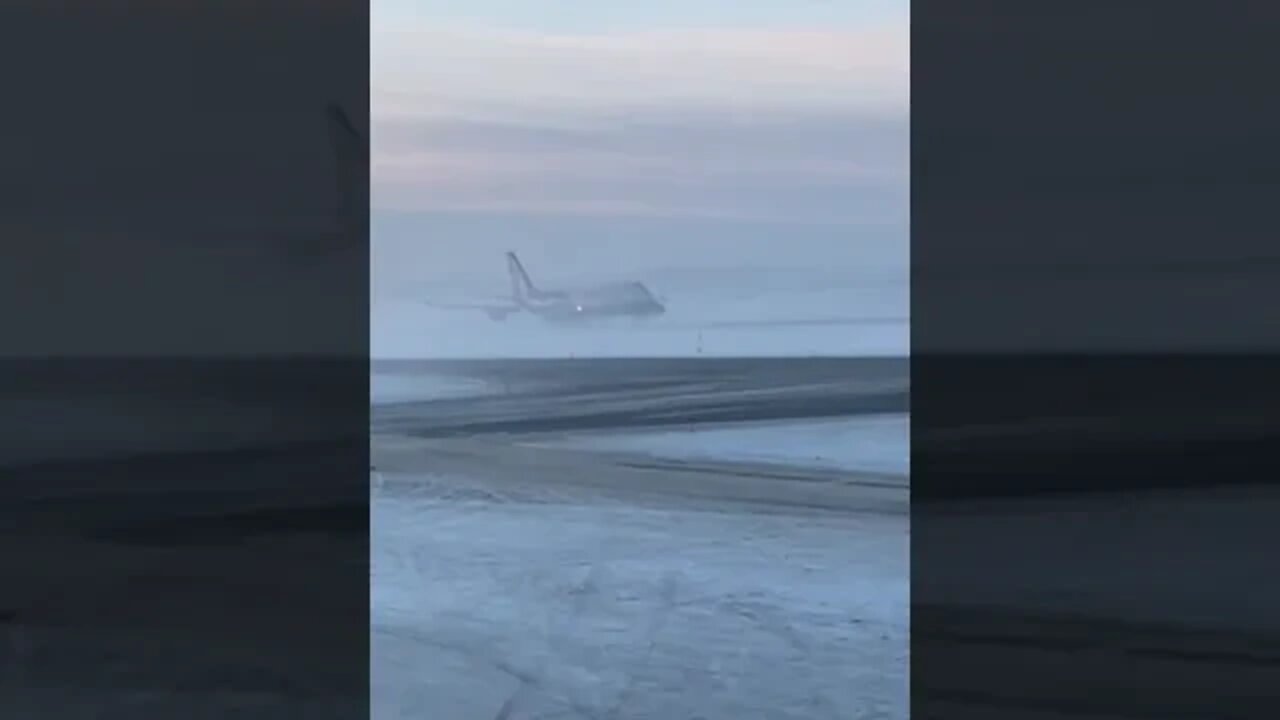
x: 485, y: 609
x: 834, y: 322
x: 877, y: 443
x: 527, y: 582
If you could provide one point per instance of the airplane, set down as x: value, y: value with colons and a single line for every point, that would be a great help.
x: 614, y: 300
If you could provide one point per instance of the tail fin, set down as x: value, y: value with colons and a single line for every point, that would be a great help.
x: 522, y: 287
x: 351, y: 162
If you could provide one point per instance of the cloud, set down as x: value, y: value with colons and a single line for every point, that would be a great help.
x: 421, y: 72
x: 709, y: 122
x: 831, y: 169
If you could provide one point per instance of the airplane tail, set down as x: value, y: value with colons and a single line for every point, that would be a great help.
x: 351, y: 162
x: 522, y: 288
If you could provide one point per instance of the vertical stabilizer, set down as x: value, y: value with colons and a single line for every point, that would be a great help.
x: 351, y: 162
x: 522, y: 288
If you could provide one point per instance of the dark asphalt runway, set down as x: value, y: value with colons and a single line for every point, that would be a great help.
x: 530, y: 396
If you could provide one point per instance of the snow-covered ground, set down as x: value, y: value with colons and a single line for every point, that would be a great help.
x: 487, y: 609
x: 876, y: 443
x: 832, y: 322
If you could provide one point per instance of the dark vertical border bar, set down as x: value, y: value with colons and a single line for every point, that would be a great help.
x: 184, y: 364
x: 1094, y: 381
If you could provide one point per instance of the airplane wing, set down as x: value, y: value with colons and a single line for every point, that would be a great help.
x: 496, y: 310
x: 472, y: 305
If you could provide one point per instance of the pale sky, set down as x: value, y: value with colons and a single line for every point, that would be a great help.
x: 572, y: 15
x: 638, y: 134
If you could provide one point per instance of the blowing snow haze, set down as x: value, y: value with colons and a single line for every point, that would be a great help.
x: 661, y: 144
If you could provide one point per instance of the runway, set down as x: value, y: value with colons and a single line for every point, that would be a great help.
x: 491, y: 433
x: 518, y: 578
x: 528, y: 396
